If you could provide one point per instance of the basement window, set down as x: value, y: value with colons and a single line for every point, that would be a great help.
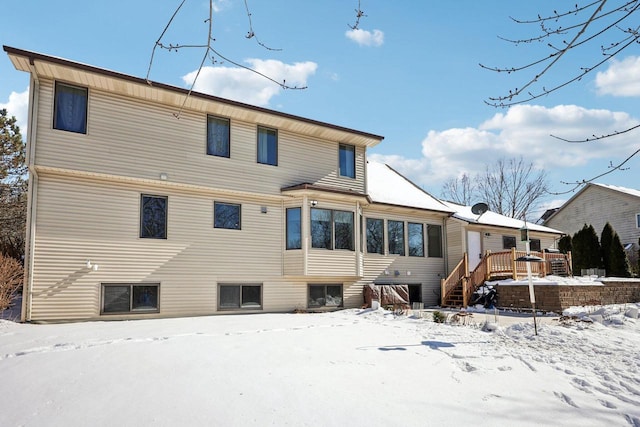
x: 130, y: 298
x: 243, y: 296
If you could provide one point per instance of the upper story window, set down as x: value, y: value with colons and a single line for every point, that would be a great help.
x: 396, y: 237
x: 508, y: 242
x: 347, y: 160
x: 375, y: 236
x: 226, y: 215
x: 416, y: 239
x: 331, y: 229
x: 267, y: 146
x: 153, y: 217
x: 434, y: 235
x: 294, y: 228
x: 218, y: 137
x: 638, y: 220
x: 70, y: 108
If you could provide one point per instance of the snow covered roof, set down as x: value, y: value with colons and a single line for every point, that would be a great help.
x: 625, y: 190
x: 495, y: 219
x: 385, y: 185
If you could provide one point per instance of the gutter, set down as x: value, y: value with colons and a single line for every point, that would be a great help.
x: 27, y: 291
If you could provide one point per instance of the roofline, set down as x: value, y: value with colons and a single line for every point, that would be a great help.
x: 448, y: 213
x: 33, y: 56
x: 416, y: 186
x: 324, y: 189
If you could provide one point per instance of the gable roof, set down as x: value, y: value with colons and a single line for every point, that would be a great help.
x: 387, y: 186
x: 496, y: 220
x: 56, y: 68
x: 621, y: 190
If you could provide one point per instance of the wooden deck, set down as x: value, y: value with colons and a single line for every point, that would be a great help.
x: 457, y: 288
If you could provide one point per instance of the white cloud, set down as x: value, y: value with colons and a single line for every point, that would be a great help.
x: 524, y: 130
x: 366, y: 38
x: 622, y: 78
x: 18, y: 106
x: 220, y: 5
x: 246, y: 86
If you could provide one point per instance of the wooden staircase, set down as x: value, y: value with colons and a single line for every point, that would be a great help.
x: 458, y: 288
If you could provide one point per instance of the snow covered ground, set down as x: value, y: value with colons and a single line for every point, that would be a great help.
x: 346, y: 368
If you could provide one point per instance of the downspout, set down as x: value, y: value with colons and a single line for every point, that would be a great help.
x: 30, y: 229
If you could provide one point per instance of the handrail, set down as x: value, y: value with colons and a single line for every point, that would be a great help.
x: 499, y: 264
x: 459, y: 272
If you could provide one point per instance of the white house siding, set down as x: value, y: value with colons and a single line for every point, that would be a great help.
x: 134, y: 138
x: 596, y: 205
x: 425, y: 271
x: 492, y: 238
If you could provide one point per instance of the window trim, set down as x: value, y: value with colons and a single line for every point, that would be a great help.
x: 404, y: 238
x: 240, y: 306
x: 215, y: 203
x: 287, y: 227
x: 325, y: 306
x: 409, y: 238
x: 333, y: 229
x: 258, y: 145
x: 638, y: 220
x: 166, y: 217
x: 507, y: 238
x: 55, y: 107
x: 211, y: 116
x: 131, y: 286
x: 382, y: 244
x: 346, y: 148
x: 440, y: 246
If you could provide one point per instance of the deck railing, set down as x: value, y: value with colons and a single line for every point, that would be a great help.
x: 500, y: 265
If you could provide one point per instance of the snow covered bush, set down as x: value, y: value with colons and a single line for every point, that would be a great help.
x: 11, y: 274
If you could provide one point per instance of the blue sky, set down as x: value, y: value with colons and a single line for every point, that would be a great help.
x: 410, y: 74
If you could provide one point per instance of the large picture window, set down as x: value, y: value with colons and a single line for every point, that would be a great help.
x: 332, y: 229
x: 70, y: 108
x: 294, y: 230
x: 267, y: 146
x: 325, y: 296
x: 416, y: 239
x: 347, y: 160
x: 130, y: 298
x: 434, y: 235
x: 244, y: 296
x: 153, y: 217
x: 375, y: 236
x: 396, y: 237
x: 218, y: 137
x: 226, y: 215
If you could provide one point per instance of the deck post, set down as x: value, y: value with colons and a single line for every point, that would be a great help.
x: 442, y: 292
x: 487, y: 266
x: 570, y: 266
x: 466, y: 264
x: 465, y: 293
x: 513, y: 264
x: 544, y: 264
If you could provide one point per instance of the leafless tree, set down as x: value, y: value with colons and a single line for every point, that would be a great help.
x: 609, y: 25
x: 459, y: 190
x: 510, y: 187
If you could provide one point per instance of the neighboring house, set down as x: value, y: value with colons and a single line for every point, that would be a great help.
x: 597, y: 204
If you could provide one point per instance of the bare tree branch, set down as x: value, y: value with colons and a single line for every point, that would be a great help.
x: 251, y: 34
x: 359, y: 14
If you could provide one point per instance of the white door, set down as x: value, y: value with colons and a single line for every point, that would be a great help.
x: 474, y: 249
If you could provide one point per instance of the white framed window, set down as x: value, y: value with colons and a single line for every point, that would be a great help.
x: 240, y: 296
x: 267, y: 146
x: 70, y: 108
x: 325, y: 296
x: 638, y: 220
x: 332, y: 229
x: 347, y: 160
x: 218, y: 137
x: 118, y: 298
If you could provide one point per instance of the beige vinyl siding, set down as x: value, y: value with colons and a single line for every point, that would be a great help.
x: 492, y: 239
x: 139, y: 139
x: 425, y: 271
x: 597, y: 206
x: 79, y: 220
x: 456, y: 242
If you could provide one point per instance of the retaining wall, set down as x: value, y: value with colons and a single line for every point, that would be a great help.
x: 554, y: 297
